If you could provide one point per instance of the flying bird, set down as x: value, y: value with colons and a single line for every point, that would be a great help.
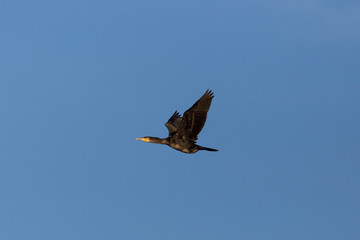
x: 184, y: 131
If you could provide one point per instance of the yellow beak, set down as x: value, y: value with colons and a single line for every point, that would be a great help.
x: 142, y: 139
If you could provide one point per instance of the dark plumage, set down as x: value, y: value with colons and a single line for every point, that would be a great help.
x: 184, y: 131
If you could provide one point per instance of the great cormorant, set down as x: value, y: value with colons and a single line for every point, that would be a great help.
x: 184, y: 131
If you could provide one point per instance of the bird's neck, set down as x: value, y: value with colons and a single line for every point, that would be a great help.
x: 158, y: 140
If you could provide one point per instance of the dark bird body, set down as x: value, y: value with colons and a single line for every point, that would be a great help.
x: 184, y: 131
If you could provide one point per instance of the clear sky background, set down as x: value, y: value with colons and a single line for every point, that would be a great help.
x: 80, y: 80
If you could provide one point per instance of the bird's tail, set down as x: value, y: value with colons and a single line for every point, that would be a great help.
x: 207, y: 149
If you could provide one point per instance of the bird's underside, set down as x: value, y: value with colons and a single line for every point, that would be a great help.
x: 184, y: 131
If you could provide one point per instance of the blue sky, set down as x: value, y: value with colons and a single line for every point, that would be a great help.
x: 80, y: 80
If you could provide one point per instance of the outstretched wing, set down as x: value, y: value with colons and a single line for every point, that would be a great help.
x: 173, y: 123
x: 194, y: 119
